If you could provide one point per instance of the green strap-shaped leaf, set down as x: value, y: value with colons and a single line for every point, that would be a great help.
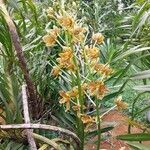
x: 145, y: 88
x: 94, y: 133
x: 133, y: 50
x: 141, y: 75
x: 135, y: 137
x: 139, y: 146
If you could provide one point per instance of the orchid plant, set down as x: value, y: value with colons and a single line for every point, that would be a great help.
x: 79, y: 69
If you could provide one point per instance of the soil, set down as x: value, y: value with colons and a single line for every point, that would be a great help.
x: 120, y: 128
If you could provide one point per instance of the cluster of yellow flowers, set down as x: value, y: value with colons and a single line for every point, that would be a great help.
x: 103, y: 69
x: 75, y: 30
x: 67, y: 96
x: 94, y: 88
x: 120, y: 104
x: 97, y: 88
x: 65, y: 61
x: 51, y: 37
x: 67, y: 24
x: 92, y: 54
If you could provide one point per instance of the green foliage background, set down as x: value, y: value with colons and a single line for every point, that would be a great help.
x: 126, y: 48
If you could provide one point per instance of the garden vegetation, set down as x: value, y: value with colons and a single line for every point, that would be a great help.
x: 64, y: 65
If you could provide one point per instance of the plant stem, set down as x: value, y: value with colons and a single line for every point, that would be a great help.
x: 34, y: 97
x: 40, y: 126
x: 47, y: 141
x: 29, y: 132
x: 132, y: 113
x: 98, y: 124
x: 81, y: 102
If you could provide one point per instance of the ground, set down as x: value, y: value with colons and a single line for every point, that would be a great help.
x: 120, y: 128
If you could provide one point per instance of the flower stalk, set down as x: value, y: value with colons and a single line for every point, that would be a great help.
x: 98, y: 124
